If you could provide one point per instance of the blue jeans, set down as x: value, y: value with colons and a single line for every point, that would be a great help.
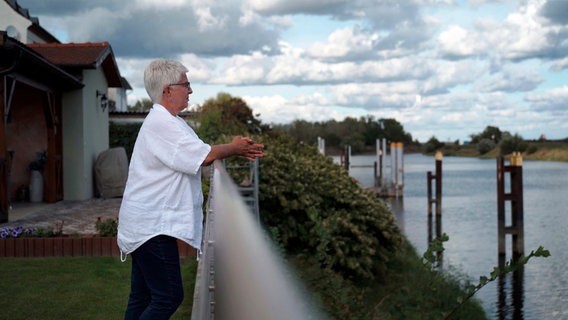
x: 156, y: 288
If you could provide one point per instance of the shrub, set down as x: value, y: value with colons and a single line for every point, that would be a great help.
x: 432, y: 145
x: 123, y: 135
x: 107, y: 227
x: 532, y: 149
x: 319, y: 210
x: 512, y: 144
x: 485, y: 145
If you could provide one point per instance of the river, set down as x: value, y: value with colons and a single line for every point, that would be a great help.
x: 469, y: 217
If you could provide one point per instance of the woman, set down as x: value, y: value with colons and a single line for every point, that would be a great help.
x: 163, y: 200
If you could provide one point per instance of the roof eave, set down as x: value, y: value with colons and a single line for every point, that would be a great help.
x: 25, y: 61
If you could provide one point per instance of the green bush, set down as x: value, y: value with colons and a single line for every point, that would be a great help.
x: 123, y: 135
x: 107, y: 227
x: 532, y: 149
x: 321, y: 211
x: 513, y: 144
x: 432, y: 145
x: 485, y: 145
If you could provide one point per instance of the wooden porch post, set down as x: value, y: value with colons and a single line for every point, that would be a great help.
x: 53, y: 173
x: 4, y: 201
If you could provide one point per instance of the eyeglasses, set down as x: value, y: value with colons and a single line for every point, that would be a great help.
x: 187, y: 85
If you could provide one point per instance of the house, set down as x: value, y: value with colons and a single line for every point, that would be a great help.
x: 54, y: 103
x: 117, y: 96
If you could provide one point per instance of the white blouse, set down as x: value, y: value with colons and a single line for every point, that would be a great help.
x: 163, y: 193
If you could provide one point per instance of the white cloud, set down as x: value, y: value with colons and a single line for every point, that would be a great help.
x: 459, y: 42
x: 559, y: 65
x: 158, y: 5
x: 206, y: 21
x: 512, y: 81
x: 472, y: 63
x: 344, y: 43
x: 554, y: 100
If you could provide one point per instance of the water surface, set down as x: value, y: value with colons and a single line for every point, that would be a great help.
x: 469, y: 217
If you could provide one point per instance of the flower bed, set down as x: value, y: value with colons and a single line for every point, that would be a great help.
x: 69, y: 247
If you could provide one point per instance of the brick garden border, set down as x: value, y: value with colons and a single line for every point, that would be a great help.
x: 70, y: 247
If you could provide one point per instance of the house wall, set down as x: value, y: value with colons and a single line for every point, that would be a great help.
x: 118, y: 95
x: 85, y: 136
x: 25, y: 136
x: 9, y: 17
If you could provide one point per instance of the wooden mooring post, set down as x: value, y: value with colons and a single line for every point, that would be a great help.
x: 380, y: 165
x: 345, y: 158
x: 321, y: 145
x: 437, y: 228
x: 438, y: 185
x: 515, y: 197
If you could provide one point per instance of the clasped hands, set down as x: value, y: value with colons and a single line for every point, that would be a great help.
x: 248, y: 148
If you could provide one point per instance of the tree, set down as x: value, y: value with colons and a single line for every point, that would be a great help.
x: 141, y: 105
x: 393, y: 131
x: 372, y: 131
x: 485, y: 145
x: 356, y: 132
x: 433, y: 144
x: 512, y: 144
x: 226, y: 114
x: 304, y: 131
x: 490, y: 133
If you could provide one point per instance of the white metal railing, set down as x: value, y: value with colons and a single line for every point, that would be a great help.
x: 239, y: 274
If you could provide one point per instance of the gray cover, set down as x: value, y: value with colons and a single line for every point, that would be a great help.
x: 111, y: 171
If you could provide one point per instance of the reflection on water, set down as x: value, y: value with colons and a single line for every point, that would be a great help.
x: 469, y: 217
x: 510, y: 293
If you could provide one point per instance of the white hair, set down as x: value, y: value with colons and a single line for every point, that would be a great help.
x: 160, y: 73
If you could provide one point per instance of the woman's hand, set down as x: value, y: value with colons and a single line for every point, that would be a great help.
x: 247, y: 148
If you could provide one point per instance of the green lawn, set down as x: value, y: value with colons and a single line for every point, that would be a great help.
x: 74, y: 288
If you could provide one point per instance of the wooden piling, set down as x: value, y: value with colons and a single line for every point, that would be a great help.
x: 438, y: 186
x: 429, y: 178
x: 515, y: 197
x: 382, y: 186
x: 437, y: 228
x: 438, y: 183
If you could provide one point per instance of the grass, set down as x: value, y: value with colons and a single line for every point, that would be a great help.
x: 549, y: 151
x: 98, y: 287
x: 74, y: 288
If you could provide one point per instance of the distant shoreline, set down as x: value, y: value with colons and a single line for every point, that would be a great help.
x: 543, y: 151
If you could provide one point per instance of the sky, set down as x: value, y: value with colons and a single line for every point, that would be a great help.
x: 442, y: 68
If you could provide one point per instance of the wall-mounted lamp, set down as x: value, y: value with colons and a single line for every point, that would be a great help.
x: 104, y: 99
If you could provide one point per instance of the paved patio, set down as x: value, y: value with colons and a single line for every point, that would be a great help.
x: 77, y: 217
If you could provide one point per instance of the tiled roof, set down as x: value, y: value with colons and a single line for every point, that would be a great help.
x: 89, y: 55
x: 24, y: 61
x: 74, y: 54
